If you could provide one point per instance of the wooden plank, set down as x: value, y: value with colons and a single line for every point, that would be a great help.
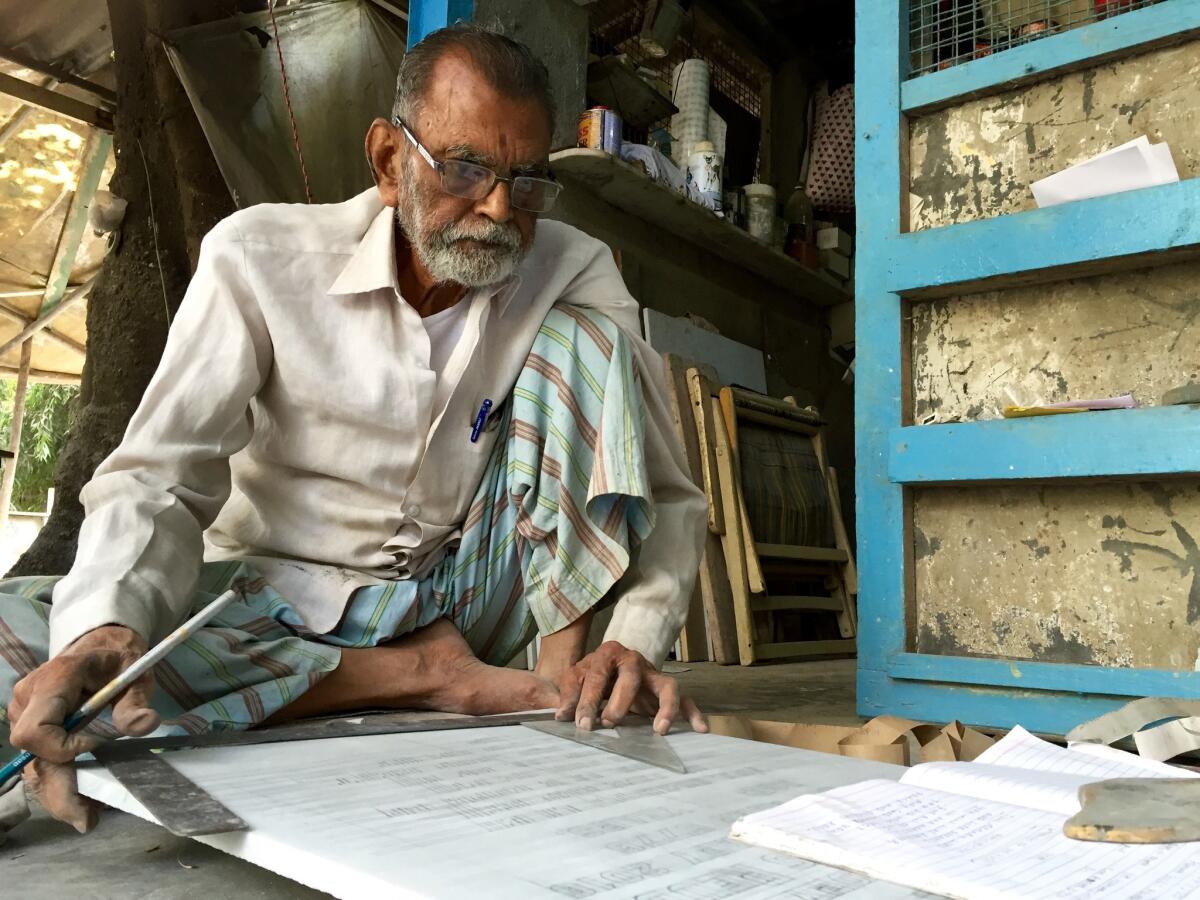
x: 628, y: 189
x: 41, y: 376
x: 693, y: 638
x: 717, y: 594
x: 700, y: 390
x: 840, y: 533
x: 87, y: 177
x: 758, y: 583
x: 881, y: 135
x: 1025, y: 675
x: 1085, y: 46
x: 732, y: 543
x: 36, y: 95
x: 761, y: 418
x: 9, y: 473
x: 41, y: 325
x: 785, y: 409
x: 784, y: 649
x: 795, y: 602
x: 1151, y: 226
x: 809, y: 554
x: 1163, y: 440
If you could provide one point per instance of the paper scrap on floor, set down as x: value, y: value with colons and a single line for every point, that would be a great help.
x: 511, y: 814
x: 985, y: 829
x: 1136, y: 164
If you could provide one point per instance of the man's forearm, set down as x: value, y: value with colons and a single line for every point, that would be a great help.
x: 564, y: 648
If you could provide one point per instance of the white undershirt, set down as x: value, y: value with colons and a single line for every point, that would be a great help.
x: 445, y: 329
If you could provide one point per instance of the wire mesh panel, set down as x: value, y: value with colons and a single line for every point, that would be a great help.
x: 944, y: 33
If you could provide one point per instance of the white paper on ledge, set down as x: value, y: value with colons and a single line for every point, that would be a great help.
x: 1133, y: 165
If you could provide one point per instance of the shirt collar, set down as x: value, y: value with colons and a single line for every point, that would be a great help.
x: 372, y: 266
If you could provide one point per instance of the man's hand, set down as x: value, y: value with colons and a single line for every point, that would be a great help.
x: 639, y: 688
x: 44, y: 698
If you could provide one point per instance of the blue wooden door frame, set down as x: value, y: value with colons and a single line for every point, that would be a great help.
x: 425, y: 16
x: 895, y: 268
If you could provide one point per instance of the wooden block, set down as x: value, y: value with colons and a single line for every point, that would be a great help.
x: 834, y: 238
x: 835, y: 263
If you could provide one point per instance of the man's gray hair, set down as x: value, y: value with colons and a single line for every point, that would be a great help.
x: 510, y: 66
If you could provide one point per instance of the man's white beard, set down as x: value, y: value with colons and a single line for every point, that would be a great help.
x: 448, y: 261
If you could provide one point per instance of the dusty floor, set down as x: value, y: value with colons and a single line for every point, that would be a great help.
x: 126, y: 857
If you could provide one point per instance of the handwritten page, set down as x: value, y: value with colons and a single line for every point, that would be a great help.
x: 985, y: 829
x: 1048, y: 791
x: 509, y: 813
x: 963, y: 847
x: 1022, y: 750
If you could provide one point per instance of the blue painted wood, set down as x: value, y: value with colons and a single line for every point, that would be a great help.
x: 1040, y: 676
x: 1041, y: 59
x: 1129, y: 442
x: 877, y: 383
x: 425, y: 16
x: 1150, y: 220
x: 1046, y: 712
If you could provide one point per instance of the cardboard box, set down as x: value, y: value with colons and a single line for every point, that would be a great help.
x: 835, y: 239
x: 887, y: 739
x: 836, y: 263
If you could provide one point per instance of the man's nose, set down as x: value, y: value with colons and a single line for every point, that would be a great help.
x: 496, y: 205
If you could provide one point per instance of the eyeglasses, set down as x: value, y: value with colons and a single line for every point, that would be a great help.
x: 474, y: 182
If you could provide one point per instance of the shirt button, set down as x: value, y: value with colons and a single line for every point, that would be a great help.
x: 413, y: 510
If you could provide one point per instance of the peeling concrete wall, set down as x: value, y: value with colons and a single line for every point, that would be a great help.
x: 977, y: 160
x: 1093, y: 337
x: 1104, y: 574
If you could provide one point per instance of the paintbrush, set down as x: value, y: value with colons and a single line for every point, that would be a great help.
x: 103, y: 697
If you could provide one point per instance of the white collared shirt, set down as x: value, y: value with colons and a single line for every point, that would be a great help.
x: 294, y: 421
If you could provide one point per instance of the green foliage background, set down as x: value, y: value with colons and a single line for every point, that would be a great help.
x: 49, y: 411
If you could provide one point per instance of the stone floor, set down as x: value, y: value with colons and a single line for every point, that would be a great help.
x: 126, y: 857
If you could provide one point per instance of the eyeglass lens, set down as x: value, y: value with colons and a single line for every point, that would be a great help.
x: 472, y: 182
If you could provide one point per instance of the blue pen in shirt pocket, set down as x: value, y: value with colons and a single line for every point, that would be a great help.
x: 480, y: 419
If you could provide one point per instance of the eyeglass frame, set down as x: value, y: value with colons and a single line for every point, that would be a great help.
x: 440, y: 168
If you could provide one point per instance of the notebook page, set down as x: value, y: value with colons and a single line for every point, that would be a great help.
x: 1021, y: 750
x: 1049, y: 791
x: 964, y: 847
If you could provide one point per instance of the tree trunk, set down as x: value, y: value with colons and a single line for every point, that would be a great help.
x: 162, y: 160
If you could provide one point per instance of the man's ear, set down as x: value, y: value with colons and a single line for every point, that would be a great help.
x: 383, y: 155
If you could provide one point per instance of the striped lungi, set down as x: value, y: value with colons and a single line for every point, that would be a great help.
x: 563, y: 499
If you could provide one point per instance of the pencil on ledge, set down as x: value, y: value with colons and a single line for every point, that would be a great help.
x: 103, y: 697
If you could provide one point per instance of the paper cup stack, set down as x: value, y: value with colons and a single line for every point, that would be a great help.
x: 689, y: 126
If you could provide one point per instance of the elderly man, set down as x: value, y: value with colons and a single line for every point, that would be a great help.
x: 412, y: 428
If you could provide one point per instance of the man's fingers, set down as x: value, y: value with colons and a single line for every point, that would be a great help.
x: 595, y: 683
x: 569, y: 688
x: 39, y: 727
x: 629, y: 683
x: 132, y: 713
x: 667, y: 690
x: 55, y: 788
x: 692, y: 713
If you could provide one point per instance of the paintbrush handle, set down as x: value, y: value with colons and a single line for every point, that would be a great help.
x: 143, y: 664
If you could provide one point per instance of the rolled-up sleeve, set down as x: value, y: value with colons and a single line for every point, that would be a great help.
x: 654, y: 596
x: 148, y: 504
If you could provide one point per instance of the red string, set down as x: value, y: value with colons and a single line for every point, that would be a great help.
x: 287, y: 100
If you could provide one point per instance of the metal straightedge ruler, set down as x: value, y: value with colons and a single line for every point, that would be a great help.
x: 186, y: 809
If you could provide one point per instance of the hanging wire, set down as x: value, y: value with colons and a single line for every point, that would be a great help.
x: 287, y: 100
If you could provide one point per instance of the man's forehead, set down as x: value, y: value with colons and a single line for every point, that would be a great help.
x: 462, y: 109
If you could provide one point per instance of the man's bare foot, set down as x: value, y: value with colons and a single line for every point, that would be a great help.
x: 465, y: 684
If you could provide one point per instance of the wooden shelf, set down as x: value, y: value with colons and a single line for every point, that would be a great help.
x: 621, y: 185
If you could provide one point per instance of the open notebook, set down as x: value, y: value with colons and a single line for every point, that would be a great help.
x: 985, y: 829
